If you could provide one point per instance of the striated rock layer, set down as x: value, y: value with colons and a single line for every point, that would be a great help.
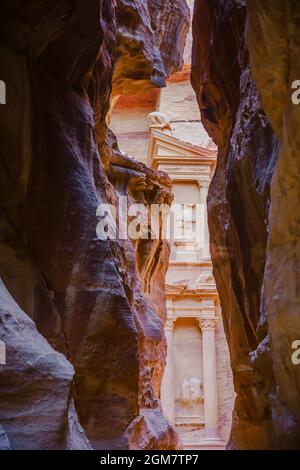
x: 85, y: 369
x: 254, y: 204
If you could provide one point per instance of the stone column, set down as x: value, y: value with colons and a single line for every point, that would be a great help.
x: 167, y: 386
x: 210, y: 377
x: 204, y: 185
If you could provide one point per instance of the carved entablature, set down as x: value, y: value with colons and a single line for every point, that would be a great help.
x: 182, y: 169
x: 182, y: 173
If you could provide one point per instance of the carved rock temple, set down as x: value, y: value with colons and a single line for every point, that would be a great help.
x: 118, y: 343
x: 163, y: 130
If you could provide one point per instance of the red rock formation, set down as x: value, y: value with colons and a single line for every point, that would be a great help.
x: 144, y: 59
x: 36, y: 387
x: 275, y: 62
x: 100, y: 303
x: 253, y: 218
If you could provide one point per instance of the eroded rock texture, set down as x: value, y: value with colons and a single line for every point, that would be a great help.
x: 142, y: 55
x: 254, y: 204
x: 85, y: 368
x: 36, y: 386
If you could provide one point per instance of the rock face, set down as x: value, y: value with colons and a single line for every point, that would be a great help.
x: 36, y: 385
x: 254, y: 204
x: 144, y: 58
x: 92, y: 352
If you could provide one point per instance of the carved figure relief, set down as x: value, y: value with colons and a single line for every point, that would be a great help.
x: 158, y: 120
x: 191, y: 391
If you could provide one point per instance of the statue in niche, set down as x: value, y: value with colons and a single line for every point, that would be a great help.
x: 158, y: 121
x: 191, y: 391
x: 205, y: 278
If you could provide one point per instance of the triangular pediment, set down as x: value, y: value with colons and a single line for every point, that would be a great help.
x: 163, y: 146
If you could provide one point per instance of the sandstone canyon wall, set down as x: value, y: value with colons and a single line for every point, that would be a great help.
x: 253, y: 204
x: 81, y: 318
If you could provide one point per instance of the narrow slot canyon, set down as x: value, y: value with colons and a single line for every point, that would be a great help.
x: 149, y: 225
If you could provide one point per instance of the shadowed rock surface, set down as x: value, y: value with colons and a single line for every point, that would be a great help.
x: 36, y: 387
x: 254, y: 204
x: 99, y: 303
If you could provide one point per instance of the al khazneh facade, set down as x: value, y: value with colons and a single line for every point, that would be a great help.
x: 197, y: 391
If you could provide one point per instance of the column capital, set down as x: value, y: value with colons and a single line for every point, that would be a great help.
x: 208, y: 323
x: 169, y: 325
x: 204, y: 183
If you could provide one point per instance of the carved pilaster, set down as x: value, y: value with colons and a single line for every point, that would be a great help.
x: 203, y: 188
x: 208, y: 326
x: 204, y: 184
x: 167, y: 386
x: 169, y: 325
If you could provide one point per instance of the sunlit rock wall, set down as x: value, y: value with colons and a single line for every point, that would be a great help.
x: 254, y: 204
x: 99, y: 303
